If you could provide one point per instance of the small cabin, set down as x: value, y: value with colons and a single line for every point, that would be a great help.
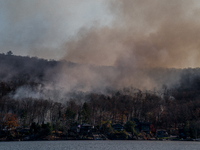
x: 161, y: 133
x: 85, y: 128
x: 118, y: 127
x: 141, y: 126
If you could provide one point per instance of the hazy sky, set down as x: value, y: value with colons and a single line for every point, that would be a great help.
x: 39, y: 28
x: 150, y: 33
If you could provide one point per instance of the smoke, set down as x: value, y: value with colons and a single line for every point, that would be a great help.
x: 114, y: 32
x: 143, y: 34
x: 127, y: 37
x: 39, y: 28
x: 25, y: 91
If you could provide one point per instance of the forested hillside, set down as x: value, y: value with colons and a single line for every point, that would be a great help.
x: 27, y: 93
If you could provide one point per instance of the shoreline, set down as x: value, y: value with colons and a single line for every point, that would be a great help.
x: 19, y: 140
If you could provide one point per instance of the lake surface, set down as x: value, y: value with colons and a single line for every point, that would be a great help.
x: 100, y: 145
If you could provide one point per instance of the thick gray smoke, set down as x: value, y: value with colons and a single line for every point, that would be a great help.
x: 132, y: 36
x: 143, y: 34
x: 147, y: 33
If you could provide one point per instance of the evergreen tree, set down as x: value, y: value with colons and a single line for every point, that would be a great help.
x: 85, y: 113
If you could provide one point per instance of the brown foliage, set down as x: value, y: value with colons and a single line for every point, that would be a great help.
x: 11, y: 121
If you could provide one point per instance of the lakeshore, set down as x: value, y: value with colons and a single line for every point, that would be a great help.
x: 100, y: 145
x: 93, y: 136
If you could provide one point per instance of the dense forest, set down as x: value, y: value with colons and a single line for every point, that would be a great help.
x: 28, y: 98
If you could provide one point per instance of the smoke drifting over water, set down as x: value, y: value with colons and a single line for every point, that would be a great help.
x: 129, y: 35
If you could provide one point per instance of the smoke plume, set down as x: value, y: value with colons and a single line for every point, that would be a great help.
x: 143, y: 34
x: 148, y: 33
x: 115, y: 43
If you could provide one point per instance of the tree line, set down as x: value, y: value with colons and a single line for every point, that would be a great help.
x: 171, y: 108
x: 164, y: 112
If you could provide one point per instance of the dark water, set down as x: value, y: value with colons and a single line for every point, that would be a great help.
x: 100, y: 145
